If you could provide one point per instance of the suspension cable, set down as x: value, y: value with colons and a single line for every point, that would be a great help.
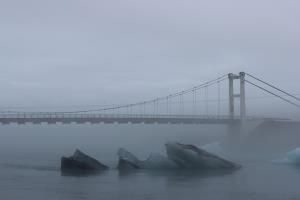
x: 170, y: 104
x: 219, y: 98
x: 194, y: 102
x: 276, y: 88
x: 126, y: 106
x: 284, y: 99
x: 206, y: 100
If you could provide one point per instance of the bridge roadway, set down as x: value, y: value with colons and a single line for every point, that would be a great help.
x: 55, y: 118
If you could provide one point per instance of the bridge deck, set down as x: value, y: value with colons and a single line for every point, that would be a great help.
x: 120, y: 119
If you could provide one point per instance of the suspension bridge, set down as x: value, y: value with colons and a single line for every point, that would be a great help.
x: 190, y: 106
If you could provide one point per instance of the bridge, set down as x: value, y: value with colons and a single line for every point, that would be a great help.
x: 120, y: 119
x: 190, y: 106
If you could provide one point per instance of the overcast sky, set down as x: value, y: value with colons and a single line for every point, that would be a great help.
x: 86, y: 52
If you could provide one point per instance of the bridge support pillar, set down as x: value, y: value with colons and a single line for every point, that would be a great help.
x: 231, y: 96
x: 234, y: 129
x: 242, y: 97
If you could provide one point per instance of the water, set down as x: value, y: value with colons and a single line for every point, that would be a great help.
x: 30, y: 156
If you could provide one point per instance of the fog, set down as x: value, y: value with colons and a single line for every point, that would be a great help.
x: 50, y: 142
x: 45, y: 144
x: 81, y: 53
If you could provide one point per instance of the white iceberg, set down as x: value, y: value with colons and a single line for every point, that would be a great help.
x: 291, y: 157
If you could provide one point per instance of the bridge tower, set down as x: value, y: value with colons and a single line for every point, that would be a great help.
x: 241, y: 95
x: 234, y: 128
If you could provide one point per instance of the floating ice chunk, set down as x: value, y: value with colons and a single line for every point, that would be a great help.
x: 81, y: 162
x: 189, y: 156
x: 294, y: 156
x: 291, y: 157
x: 127, y: 160
x: 155, y: 161
x: 179, y: 156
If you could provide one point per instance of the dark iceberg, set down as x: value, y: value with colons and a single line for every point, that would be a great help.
x: 192, y: 157
x: 81, y: 163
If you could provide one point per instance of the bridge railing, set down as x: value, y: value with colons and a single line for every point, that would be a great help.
x: 92, y: 115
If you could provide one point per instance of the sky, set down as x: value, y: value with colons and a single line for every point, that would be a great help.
x: 94, y: 52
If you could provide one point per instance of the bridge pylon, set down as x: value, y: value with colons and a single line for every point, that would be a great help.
x: 234, y: 128
x: 241, y: 95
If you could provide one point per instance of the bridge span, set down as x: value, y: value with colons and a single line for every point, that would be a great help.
x: 120, y: 119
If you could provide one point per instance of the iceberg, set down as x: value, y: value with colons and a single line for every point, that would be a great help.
x: 179, y: 156
x: 127, y: 160
x: 192, y: 157
x: 155, y: 161
x: 291, y: 157
x: 79, y: 162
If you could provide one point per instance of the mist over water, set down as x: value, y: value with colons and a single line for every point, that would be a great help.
x: 101, y: 141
